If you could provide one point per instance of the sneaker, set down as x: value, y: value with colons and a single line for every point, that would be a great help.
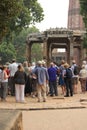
x: 44, y: 100
x: 38, y: 101
x: 4, y: 100
x: 66, y: 96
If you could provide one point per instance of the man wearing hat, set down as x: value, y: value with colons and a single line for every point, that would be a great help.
x: 42, y: 79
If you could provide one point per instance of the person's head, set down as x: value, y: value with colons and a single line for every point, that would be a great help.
x: 7, y: 63
x: 20, y: 67
x: 62, y: 62
x: 84, y: 62
x: 66, y: 65
x: 4, y: 67
x: 33, y: 64
x: 13, y: 60
x: 52, y: 64
x: 83, y: 66
x: 39, y: 63
x: 73, y: 61
x: 25, y: 64
x: 43, y: 63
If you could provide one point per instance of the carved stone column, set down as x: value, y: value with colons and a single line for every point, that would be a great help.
x: 50, y: 52
x: 81, y: 56
x: 71, y: 49
x: 67, y: 54
x: 45, y: 49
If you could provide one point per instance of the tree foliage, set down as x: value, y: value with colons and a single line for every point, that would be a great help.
x: 83, y: 4
x: 20, y: 45
x: 36, y: 52
x: 85, y: 42
x: 9, y: 9
x: 7, y: 52
x: 18, y: 14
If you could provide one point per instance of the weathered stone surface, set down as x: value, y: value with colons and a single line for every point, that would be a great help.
x: 10, y: 120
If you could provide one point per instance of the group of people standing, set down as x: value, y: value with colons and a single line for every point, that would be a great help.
x: 70, y: 77
x: 38, y: 80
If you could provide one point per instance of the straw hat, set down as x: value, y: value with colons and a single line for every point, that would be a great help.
x: 39, y: 62
x: 83, y: 66
x: 84, y: 62
x: 66, y: 65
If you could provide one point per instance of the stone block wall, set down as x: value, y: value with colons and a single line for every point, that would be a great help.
x: 11, y: 120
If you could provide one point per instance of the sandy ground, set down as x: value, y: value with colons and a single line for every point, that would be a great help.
x: 70, y: 119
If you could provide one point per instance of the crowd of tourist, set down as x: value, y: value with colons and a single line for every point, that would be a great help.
x: 38, y: 80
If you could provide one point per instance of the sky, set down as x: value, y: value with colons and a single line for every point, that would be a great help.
x: 56, y: 14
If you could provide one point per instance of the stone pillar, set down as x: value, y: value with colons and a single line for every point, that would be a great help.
x: 46, y: 52
x: 50, y: 52
x: 71, y: 50
x: 81, y: 51
x: 45, y: 49
x: 68, y: 53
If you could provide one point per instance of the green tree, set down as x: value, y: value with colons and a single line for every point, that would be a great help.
x: 18, y: 14
x: 36, y: 52
x: 83, y: 5
x: 20, y: 45
x: 9, y: 9
x: 7, y: 52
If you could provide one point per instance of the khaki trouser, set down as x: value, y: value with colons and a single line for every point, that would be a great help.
x: 41, y: 90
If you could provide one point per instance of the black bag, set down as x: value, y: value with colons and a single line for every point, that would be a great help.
x: 76, y: 70
x: 69, y: 73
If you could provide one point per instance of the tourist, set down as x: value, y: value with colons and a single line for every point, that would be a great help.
x: 4, y: 83
x: 20, y: 81
x: 42, y: 80
x: 33, y: 81
x: 75, y: 76
x: 83, y: 78
x: 27, y: 85
x: 12, y: 69
x: 68, y: 80
x: 61, y: 78
x: 85, y: 63
x: 52, y: 72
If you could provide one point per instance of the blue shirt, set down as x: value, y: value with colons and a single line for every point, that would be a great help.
x: 42, y: 75
x: 52, y: 72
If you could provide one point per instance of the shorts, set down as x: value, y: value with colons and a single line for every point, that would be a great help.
x: 75, y: 80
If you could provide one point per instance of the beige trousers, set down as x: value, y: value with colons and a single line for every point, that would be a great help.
x: 41, y: 90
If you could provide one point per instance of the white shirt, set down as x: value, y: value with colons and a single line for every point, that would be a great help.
x: 13, y: 68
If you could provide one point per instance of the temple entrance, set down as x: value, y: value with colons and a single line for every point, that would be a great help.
x: 59, y: 54
x: 55, y: 39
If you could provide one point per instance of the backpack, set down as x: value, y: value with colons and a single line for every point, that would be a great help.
x: 76, y: 70
x: 69, y: 73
